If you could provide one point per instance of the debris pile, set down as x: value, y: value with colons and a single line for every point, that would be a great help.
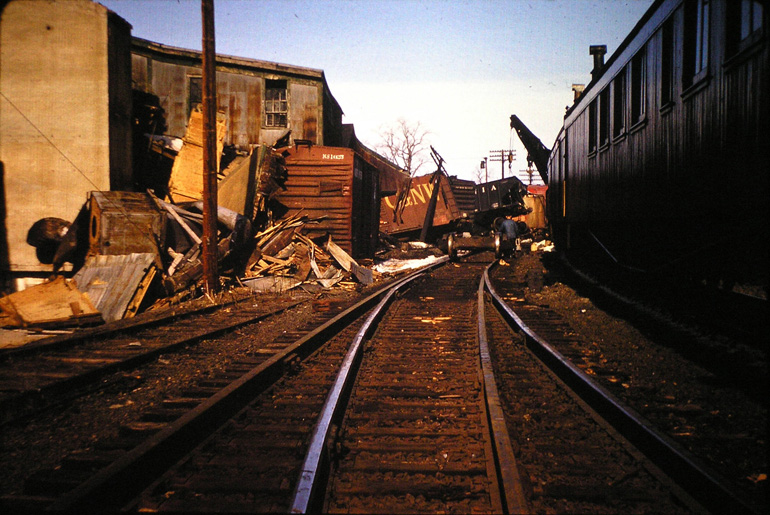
x: 136, y: 251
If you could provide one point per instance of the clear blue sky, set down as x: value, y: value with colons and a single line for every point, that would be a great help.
x: 458, y: 67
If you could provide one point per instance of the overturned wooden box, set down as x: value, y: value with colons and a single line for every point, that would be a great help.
x: 125, y: 223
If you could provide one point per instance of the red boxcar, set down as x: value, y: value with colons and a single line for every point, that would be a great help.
x: 337, y: 185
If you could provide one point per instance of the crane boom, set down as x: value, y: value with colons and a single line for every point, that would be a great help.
x: 537, y: 152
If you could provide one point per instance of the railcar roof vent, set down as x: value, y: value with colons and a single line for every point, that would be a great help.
x: 598, y: 52
x: 577, y: 90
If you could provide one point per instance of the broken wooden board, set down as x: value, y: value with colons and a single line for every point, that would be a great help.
x: 271, y: 284
x: 236, y: 191
x: 186, y: 181
x: 250, y: 181
x: 364, y: 275
x: 116, y: 282
x: 141, y: 291
x: 331, y: 277
x: 52, y: 304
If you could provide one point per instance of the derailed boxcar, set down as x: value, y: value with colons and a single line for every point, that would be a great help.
x: 462, y: 206
x: 337, y: 186
x: 456, y: 202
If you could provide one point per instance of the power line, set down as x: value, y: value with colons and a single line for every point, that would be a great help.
x: 502, y: 156
x: 140, y: 230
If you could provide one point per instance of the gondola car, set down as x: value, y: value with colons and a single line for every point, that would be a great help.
x: 662, y: 163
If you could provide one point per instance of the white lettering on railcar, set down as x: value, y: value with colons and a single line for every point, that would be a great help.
x: 333, y: 156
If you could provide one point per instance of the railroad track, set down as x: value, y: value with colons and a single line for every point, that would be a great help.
x: 416, y: 435
x: 197, y: 412
x: 688, y: 435
x: 57, y: 370
x: 393, y: 412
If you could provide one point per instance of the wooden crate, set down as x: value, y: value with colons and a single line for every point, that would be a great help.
x: 124, y: 223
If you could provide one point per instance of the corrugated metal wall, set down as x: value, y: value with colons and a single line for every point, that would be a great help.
x: 313, y: 114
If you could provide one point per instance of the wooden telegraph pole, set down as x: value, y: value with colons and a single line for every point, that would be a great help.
x: 209, y: 87
x: 504, y: 156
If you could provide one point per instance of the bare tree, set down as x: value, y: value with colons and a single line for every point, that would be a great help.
x: 404, y: 144
x: 478, y: 174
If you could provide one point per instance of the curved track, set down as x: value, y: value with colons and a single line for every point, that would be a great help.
x: 626, y: 401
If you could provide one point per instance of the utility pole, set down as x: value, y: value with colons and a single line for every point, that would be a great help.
x: 486, y: 170
x: 529, y: 171
x: 209, y: 104
x: 503, y: 156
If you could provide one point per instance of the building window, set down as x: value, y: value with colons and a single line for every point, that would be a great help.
x: 667, y: 64
x: 604, y: 117
x: 696, y: 50
x: 702, y: 37
x: 619, y: 105
x: 276, y: 105
x: 745, y: 21
x: 592, y: 127
x: 751, y: 18
x: 194, y: 94
x: 638, y: 87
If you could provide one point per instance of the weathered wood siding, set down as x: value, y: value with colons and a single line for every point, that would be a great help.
x: 313, y: 113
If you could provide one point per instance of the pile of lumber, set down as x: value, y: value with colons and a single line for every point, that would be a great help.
x: 284, y: 258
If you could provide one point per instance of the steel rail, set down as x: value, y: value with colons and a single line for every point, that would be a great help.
x: 696, y: 479
x: 113, y: 486
x: 140, y: 322
x: 29, y: 401
x: 514, y: 498
x: 307, y: 493
x: 309, y: 485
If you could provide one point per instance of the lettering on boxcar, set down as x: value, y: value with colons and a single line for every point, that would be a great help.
x: 417, y: 195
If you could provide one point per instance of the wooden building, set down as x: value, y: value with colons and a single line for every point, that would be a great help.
x: 261, y: 100
x: 65, y: 118
x: 662, y: 163
x: 74, y: 83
